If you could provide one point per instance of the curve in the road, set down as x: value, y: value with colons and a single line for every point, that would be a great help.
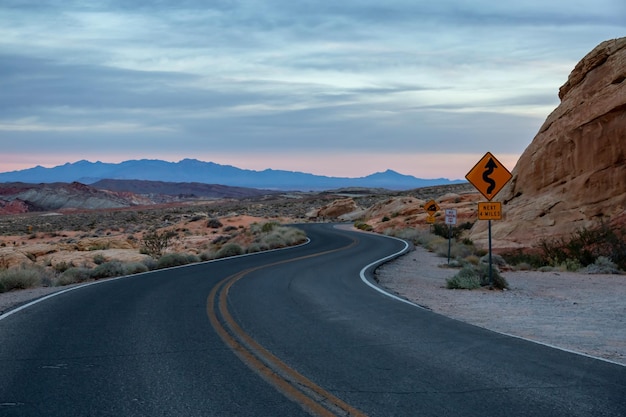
x: 285, y: 379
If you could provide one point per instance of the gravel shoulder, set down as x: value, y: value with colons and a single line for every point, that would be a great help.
x: 573, y: 311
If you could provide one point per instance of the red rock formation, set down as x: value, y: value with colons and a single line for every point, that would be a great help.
x: 573, y: 174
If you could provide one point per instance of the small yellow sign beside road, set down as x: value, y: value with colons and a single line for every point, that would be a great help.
x: 431, y: 207
x: 490, y: 211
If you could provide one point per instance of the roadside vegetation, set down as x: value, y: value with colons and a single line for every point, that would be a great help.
x: 597, y: 250
x: 156, y: 243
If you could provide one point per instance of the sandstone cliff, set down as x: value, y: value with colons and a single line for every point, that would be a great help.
x: 573, y: 174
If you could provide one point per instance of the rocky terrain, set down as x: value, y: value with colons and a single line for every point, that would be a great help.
x: 19, y: 197
x: 573, y: 174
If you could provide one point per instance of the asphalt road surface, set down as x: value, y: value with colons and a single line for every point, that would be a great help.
x: 293, y: 332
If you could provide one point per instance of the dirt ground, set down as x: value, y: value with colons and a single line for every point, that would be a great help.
x: 573, y: 311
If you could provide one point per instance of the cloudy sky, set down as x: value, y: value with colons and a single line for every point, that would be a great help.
x: 343, y: 88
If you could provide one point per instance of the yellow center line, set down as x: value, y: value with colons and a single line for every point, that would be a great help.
x: 313, y: 398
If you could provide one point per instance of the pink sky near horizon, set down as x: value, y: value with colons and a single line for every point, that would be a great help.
x: 426, y: 166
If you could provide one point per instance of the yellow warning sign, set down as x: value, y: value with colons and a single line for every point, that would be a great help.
x: 430, y: 219
x: 490, y: 211
x: 488, y: 176
x: 431, y: 207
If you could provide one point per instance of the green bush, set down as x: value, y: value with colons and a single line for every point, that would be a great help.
x: 154, y: 243
x: 454, y: 232
x: 522, y: 256
x: 73, y: 275
x: 20, y: 278
x: 214, y: 223
x: 135, y: 268
x: 602, y: 265
x: 228, y: 250
x: 62, y: 266
x: 466, y: 279
x: 108, y: 270
x: 176, y: 259
x: 475, y: 276
x: 363, y: 226
x: 269, y: 226
x: 587, y: 245
x: 99, y: 259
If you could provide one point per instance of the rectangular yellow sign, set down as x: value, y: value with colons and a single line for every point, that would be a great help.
x: 490, y: 211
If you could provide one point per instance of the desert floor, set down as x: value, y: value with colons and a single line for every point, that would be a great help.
x: 573, y: 311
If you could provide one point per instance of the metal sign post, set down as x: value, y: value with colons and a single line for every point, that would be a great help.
x: 489, y: 176
x: 450, y: 220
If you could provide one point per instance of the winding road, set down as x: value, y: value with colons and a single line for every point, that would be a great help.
x: 293, y: 332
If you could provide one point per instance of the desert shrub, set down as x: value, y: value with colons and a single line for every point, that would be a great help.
x: 587, y: 245
x: 289, y: 235
x: 523, y: 266
x: 176, y: 259
x: 108, y: 270
x: 434, y: 243
x: 467, y: 278
x: 99, y: 259
x: 253, y: 248
x: 461, y: 251
x: 150, y: 263
x: 495, y: 260
x: 363, y: 226
x: 207, y: 256
x: 154, y: 242
x: 20, y: 278
x: 269, y: 226
x: 570, y: 265
x: 454, y: 232
x: 135, y: 268
x: 230, y: 249
x: 272, y: 241
x: 220, y: 239
x: 521, y: 257
x: 213, y: 223
x: 62, y: 266
x: 73, y: 275
x: 602, y: 265
x: 99, y: 246
x: 410, y: 234
x: 475, y: 276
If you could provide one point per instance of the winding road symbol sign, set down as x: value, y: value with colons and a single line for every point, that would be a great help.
x: 488, y: 176
x: 431, y: 207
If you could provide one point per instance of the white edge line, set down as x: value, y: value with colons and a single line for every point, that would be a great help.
x: 54, y: 294
x: 395, y: 297
x: 381, y: 261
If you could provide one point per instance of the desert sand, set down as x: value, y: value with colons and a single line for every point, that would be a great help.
x: 572, y: 311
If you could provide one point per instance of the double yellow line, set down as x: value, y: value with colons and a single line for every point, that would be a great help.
x: 313, y: 398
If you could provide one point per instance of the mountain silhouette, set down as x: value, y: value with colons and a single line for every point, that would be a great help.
x: 193, y: 170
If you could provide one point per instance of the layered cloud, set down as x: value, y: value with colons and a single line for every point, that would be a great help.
x: 114, y: 80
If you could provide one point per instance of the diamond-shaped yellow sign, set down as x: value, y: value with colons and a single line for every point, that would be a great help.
x: 431, y: 207
x: 488, y: 176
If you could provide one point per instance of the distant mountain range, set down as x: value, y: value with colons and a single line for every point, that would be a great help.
x: 194, y: 171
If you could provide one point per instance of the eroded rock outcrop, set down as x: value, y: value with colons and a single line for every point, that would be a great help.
x: 335, y: 210
x: 573, y: 174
